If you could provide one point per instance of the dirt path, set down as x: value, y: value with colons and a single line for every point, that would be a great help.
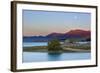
x: 76, y: 50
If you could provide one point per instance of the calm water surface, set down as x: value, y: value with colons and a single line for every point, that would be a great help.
x: 38, y: 56
x: 30, y: 44
x: 44, y: 56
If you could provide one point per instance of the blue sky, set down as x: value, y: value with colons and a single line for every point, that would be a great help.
x: 45, y: 22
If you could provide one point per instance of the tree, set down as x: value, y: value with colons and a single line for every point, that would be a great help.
x: 73, y: 40
x: 54, y: 46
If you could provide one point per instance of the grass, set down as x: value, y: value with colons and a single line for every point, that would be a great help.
x: 45, y: 48
x: 36, y: 49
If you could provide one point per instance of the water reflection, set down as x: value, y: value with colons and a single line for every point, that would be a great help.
x: 44, y: 56
x: 54, y: 56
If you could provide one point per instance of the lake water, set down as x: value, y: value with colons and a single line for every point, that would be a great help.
x: 30, y: 44
x: 44, y: 56
x: 39, y: 57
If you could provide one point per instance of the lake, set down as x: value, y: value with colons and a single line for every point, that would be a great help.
x: 44, y: 56
x: 30, y: 44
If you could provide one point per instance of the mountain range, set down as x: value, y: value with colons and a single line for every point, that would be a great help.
x: 72, y: 33
x: 78, y: 33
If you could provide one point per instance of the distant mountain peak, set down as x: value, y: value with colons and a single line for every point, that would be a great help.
x: 79, y: 32
x: 72, y: 33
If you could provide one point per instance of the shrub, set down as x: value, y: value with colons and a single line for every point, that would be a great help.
x: 54, y: 46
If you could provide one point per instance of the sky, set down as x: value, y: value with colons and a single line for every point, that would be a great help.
x: 37, y: 23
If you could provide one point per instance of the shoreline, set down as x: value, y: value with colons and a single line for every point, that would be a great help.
x: 45, y: 49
